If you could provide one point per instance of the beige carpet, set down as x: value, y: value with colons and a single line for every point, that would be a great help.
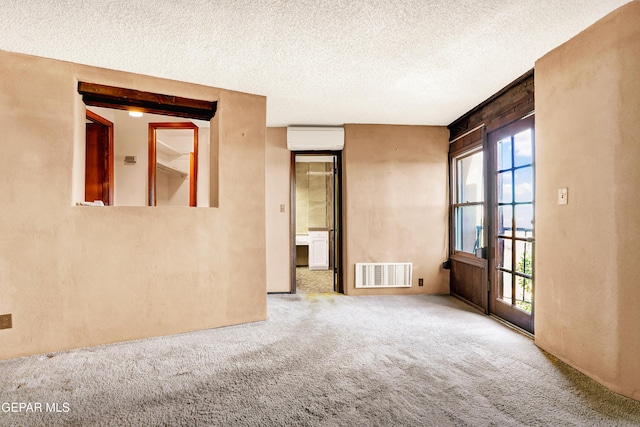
x: 313, y: 281
x: 320, y: 360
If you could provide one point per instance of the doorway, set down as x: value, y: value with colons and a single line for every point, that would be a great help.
x: 512, y: 229
x: 316, y: 222
x: 173, y: 164
x: 98, y: 178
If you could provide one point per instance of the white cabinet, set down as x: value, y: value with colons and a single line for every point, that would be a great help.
x: 318, y: 250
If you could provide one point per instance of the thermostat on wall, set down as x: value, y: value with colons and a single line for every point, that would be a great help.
x: 130, y: 160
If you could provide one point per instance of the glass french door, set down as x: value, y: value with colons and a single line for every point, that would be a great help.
x: 512, y: 231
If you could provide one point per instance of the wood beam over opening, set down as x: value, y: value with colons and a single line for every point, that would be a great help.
x: 146, y: 102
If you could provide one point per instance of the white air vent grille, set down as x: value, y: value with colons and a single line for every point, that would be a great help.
x: 384, y: 275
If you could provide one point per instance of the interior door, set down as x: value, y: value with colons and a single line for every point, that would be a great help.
x: 96, y: 182
x: 512, y: 231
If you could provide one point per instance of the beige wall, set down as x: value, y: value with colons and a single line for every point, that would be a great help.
x: 79, y: 276
x: 395, y: 207
x: 587, y: 139
x: 278, y: 179
x: 302, y: 198
x: 395, y: 202
x: 314, y: 195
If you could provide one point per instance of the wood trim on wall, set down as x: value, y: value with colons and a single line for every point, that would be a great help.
x: 467, y: 142
x: 193, y: 167
x: 511, y: 103
x: 146, y: 102
x: 340, y: 223
x: 338, y: 256
x: 99, y: 119
x: 292, y: 219
x: 469, y: 275
x: 152, y: 159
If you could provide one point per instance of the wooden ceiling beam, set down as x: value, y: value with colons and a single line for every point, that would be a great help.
x: 146, y: 102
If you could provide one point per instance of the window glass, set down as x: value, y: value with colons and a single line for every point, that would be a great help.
x: 505, y: 281
x: 468, y: 202
x: 470, y: 179
x: 505, y: 187
x: 504, y: 250
x: 504, y: 154
x: 523, y: 189
x: 522, y: 148
x: 469, y: 228
x: 505, y: 220
x: 524, y: 220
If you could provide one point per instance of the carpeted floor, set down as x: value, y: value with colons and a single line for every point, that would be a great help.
x: 313, y: 281
x: 320, y: 359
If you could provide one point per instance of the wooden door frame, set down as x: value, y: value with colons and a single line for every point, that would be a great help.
x: 91, y: 116
x: 339, y: 220
x: 193, y: 180
x: 470, y: 262
x: 508, y: 105
x: 521, y: 320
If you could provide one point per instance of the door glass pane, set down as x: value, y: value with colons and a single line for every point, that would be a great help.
x: 504, y: 281
x: 524, y: 258
x: 505, y: 217
x: 470, y: 178
x: 504, y: 248
x: 469, y: 228
x: 523, y: 293
x: 522, y: 148
x: 524, y: 220
x: 504, y: 154
x: 504, y: 187
x: 524, y: 185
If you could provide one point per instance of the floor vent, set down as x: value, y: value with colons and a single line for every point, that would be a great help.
x: 384, y: 275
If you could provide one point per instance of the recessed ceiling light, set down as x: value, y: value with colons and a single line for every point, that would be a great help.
x: 135, y: 113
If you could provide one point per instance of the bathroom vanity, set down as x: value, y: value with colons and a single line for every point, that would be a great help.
x: 317, y: 242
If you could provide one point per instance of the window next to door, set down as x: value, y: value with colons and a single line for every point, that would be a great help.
x: 468, y: 201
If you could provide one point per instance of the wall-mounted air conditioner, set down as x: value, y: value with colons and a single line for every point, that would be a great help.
x: 301, y: 138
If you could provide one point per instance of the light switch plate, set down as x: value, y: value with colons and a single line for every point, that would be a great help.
x: 5, y: 321
x: 563, y: 196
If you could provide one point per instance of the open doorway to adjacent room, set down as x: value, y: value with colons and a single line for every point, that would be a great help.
x: 173, y: 161
x: 316, y: 198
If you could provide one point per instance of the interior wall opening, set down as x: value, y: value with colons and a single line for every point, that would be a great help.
x: 316, y: 223
x: 173, y: 160
x: 175, y: 170
x: 122, y: 172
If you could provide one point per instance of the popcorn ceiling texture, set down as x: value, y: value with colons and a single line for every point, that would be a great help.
x: 318, y: 62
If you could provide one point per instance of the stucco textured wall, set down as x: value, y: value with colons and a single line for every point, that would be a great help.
x: 79, y: 276
x: 395, y: 202
x: 278, y: 179
x: 588, y: 139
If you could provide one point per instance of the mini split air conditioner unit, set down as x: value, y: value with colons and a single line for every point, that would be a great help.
x: 302, y: 138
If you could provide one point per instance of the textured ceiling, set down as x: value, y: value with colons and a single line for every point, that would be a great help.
x: 318, y: 62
